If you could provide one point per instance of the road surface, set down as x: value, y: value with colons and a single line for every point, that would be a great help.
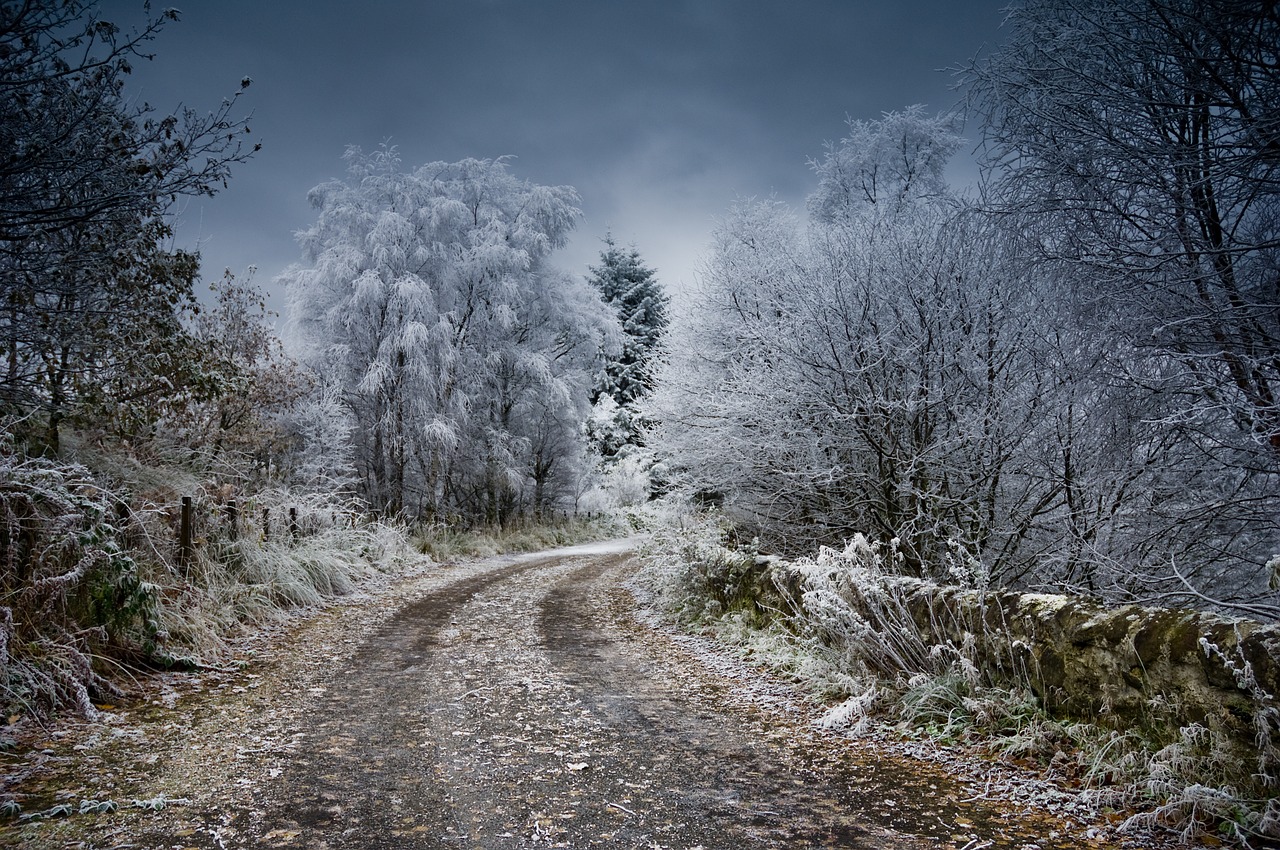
x: 522, y: 704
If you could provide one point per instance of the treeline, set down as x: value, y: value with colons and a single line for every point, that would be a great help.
x: 1066, y: 380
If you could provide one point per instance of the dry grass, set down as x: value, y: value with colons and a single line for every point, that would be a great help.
x: 93, y: 584
x: 449, y: 542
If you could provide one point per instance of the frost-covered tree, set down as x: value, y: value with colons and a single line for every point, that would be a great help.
x: 878, y: 380
x: 631, y: 288
x: 463, y: 361
x: 1140, y: 140
x: 906, y: 366
x: 873, y: 372
x: 891, y: 163
x: 1136, y: 144
x: 253, y: 385
x: 632, y: 291
x: 91, y: 296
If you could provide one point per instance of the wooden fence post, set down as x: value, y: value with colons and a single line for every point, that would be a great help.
x: 293, y: 523
x: 184, y: 533
x: 233, y: 518
x: 266, y: 524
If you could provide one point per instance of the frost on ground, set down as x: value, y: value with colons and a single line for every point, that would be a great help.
x: 507, y: 703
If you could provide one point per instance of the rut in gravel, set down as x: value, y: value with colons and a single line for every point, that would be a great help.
x: 523, y: 708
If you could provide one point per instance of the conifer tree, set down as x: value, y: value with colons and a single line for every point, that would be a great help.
x: 631, y: 288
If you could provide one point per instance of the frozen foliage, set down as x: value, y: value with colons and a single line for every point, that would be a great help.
x: 624, y: 473
x: 321, y: 457
x: 891, y: 163
x: 93, y: 582
x: 902, y: 365
x: 460, y: 360
x: 1138, y: 139
x: 868, y: 373
x: 251, y: 388
x: 69, y: 589
x: 250, y: 574
x: 632, y: 290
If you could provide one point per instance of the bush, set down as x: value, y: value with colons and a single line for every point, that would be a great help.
x: 93, y: 582
x: 70, y: 592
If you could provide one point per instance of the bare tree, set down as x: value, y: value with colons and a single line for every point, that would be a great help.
x: 1137, y: 146
x: 1142, y: 139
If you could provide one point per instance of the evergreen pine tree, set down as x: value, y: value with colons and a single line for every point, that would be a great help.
x: 631, y: 288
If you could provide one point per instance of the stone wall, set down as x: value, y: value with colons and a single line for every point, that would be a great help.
x: 1155, y: 668
x: 1122, y: 666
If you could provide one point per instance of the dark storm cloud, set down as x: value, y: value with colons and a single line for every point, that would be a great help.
x: 659, y: 113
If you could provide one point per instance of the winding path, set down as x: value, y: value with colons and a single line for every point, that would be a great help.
x: 523, y: 706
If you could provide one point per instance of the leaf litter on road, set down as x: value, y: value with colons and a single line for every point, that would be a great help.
x: 507, y: 706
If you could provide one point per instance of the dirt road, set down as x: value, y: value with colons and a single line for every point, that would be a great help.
x: 523, y: 705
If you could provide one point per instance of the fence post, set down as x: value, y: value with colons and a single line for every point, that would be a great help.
x: 293, y: 522
x: 184, y: 533
x: 266, y: 524
x: 233, y: 518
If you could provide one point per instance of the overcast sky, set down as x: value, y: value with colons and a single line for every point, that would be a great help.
x: 660, y: 113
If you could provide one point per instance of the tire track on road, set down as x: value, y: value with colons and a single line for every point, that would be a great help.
x: 524, y: 707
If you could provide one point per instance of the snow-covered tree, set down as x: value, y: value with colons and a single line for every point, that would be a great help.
x: 1134, y: 144
x: 631, y: 288
x: 615, y: 427
x: 253, y: 384
x: 867, y: 379
x: 426, y: 305
x: 866, y: 374
x: 907, y: 366
x: 891, y: 163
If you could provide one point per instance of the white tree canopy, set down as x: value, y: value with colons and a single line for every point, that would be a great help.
x: 902, y: 365
x: 462, y: 358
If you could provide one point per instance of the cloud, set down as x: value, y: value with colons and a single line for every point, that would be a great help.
x: 660, y: 113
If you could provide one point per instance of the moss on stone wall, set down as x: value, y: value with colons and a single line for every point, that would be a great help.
x: 1132, y: 667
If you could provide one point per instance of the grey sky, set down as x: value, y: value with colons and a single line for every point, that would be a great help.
x: 660, y: 113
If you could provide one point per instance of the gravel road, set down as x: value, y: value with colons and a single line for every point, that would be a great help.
x: 519, y: 704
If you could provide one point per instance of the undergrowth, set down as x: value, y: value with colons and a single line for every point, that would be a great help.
x: 94, y: 584
x: 881, y: 674
x: 68, y: 589
x: 444, y: 542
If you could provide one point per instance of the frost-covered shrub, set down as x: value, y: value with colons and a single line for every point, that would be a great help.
x: 70, y: 592
x: 690, y: 562
x: 91, y: 567
x: 878, y: 632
